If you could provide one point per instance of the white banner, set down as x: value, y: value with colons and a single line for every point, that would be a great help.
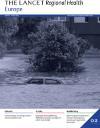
x: 46, y: 7
x: 47, y: 118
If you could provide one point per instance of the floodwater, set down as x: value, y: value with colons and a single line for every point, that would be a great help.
x: 82, y: 90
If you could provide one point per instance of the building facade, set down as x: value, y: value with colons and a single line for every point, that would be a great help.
x: 85, y: 27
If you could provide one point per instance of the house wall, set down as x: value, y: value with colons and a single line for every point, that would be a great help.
x: 89, y: 31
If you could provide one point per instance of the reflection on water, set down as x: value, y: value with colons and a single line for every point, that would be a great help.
x: 82, y: 89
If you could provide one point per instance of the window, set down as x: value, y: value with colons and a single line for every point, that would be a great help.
x: 53, y: 19
x: 51, y: 81
x: 62, y: 18
x: 86, y: 19
x: 81, y: 19
x: 58, y: 18
x: 35, y: 81
x: 98, y: 19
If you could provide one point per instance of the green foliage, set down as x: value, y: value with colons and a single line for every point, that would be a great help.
x: 55, y: 49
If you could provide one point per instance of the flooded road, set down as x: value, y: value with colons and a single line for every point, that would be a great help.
x: 82, y: 90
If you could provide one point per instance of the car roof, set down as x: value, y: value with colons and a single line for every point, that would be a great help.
x: 39, y: 77
x: 51, y: 78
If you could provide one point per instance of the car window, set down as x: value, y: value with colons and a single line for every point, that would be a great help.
x: 51, y: 81
x: 35, y: 81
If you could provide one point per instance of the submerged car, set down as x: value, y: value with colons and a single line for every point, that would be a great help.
x: 44, y: 80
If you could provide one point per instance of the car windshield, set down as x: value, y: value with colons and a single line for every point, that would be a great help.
x: 35, y: 81
x: 52, y: 81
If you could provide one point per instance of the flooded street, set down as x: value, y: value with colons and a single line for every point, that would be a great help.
x: 82, y: 90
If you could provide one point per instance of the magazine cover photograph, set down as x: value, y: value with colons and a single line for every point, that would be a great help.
x: 49, y: 62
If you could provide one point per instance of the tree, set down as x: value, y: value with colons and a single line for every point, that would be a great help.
x: 27, y: 25
x: 8, y: 26
x: 55, y: 49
